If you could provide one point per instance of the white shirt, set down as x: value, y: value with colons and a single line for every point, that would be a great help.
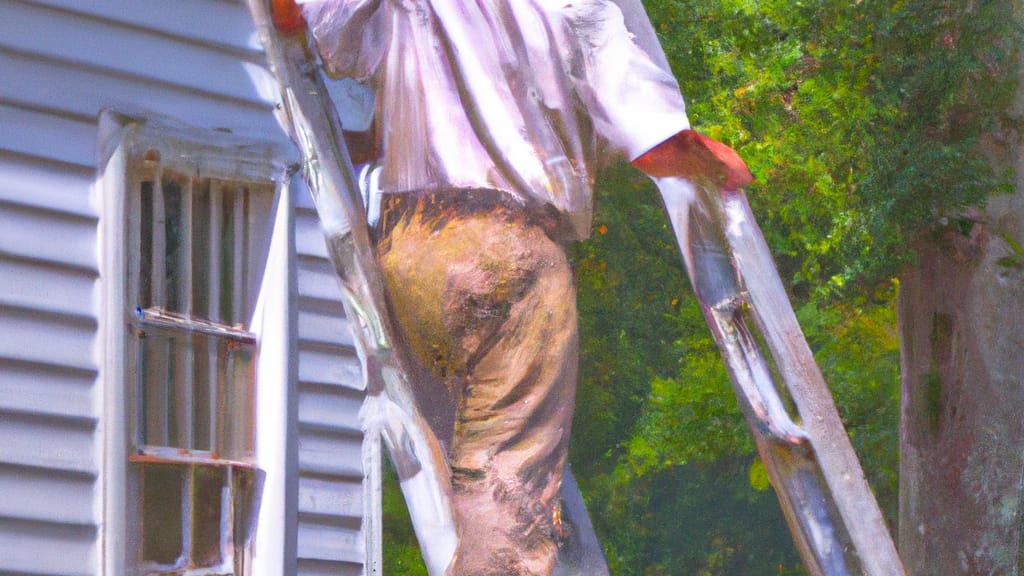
x: 512, y: 95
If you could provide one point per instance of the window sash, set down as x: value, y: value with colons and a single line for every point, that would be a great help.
x: 194, y: 515
x: 203, y: 404
x: 196, y: 241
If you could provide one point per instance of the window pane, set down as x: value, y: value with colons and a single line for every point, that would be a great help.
x: 145, y: 297
x: 203, y: 397
x: 166, y: 367
x: 174, y: 396
x: 201, y: 248
x: 246, y: 489
x: 208, y: 486
x: 227, y: 286
x: 236, y: 402
x: 259, y: 205
x: 240, y: 312
x: 155, y: 368
x: 161, y: 512
x: 174, y: 216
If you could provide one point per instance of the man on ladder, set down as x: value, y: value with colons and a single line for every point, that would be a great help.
x: 490, y: 118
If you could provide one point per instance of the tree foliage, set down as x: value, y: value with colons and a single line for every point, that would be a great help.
x: 861, y: 120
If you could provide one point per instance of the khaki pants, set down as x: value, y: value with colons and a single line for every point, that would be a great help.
x: 486, y: 301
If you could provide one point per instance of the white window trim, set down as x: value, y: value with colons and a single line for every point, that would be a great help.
x: 277, y: 412
x: 121, y: 138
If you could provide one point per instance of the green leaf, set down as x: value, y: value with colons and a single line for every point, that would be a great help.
x: 758, y: 475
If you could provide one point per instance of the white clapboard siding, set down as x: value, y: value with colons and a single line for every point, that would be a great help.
x: 49, y: 462
x: 73, y: 58
x: 222, y: 22
x: 199, y: 62
x: 75, y: 35
x: 331, y: 493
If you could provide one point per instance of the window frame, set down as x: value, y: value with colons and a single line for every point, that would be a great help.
x: 124, y: 141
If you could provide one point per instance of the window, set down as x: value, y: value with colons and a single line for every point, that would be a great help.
x: 195, y: 230
x: 192, y: 363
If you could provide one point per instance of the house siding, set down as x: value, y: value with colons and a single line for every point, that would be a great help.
x: 331, y: 493
x: 49, y: 422
x: 197, y: 61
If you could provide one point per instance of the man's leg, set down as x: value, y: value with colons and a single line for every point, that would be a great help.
x: 487, y: 302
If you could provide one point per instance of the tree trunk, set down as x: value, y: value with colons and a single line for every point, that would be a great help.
x: 961, y: 316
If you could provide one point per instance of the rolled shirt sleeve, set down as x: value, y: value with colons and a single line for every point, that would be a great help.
x: 633, y: 103
x: 352, y: 36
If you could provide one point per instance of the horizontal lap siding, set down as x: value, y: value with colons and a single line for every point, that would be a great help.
x: 331, y: 493
x: 72, y: 59
x: 49, y: 457
x: 197, y: 61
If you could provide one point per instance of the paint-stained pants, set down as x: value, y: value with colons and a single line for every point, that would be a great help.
x: 486, y: 301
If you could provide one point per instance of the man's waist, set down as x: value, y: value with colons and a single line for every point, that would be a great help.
x: 459, y: 203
